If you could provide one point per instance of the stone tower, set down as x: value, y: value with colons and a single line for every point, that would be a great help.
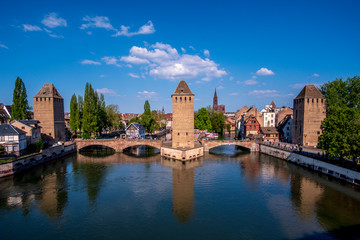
x: 49, y: 111
x: 183, y: 117
x: 309, y: 112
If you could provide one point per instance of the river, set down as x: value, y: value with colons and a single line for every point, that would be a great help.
x: 224, y: 195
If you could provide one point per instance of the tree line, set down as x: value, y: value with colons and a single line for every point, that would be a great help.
x: 208, y: 119
x: 89, y: 115
x: 341, y: 128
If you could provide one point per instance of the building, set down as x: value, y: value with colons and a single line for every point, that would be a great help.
x: 271, y: 134
x: 251, y: 126
x: 135, y: 130
x: 31, y: 127
x: 183, y: 117
x: 269, y: 119
x: 285, y: 129
x: 13, y: 139
x: 309, y: 112
x: 216, y: 107
x: 281, y: 115
x: 5, y: 113
x: 49, y: 111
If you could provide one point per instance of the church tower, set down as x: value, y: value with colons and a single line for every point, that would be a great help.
x: 183, y: 117
x: 215, y: 100
x: 49, y: 111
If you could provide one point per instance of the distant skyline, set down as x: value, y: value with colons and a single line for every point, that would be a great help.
x: 252, y: 52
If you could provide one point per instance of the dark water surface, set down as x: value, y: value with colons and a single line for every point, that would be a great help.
x: 231, y: 196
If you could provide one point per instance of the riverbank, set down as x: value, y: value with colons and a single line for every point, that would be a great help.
x: 338, y: 172
x: 26, y: 162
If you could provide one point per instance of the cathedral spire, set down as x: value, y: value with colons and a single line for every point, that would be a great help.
x: 215, y: 100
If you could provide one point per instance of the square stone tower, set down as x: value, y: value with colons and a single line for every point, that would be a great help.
x: 309, y: 112
x: 183, y: 117
x: 49, y: 111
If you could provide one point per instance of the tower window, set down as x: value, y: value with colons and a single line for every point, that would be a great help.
x: 185, y: 99
x: 312, y: 100
x: 186, y: 134
x: 190, y: 99
x: 175, y: 99
x: 317, y: 100
x: 36, y: 99
x: 308, y: 100
x: 40, y: 99
x: 180, y: 99
x: 178, y: 134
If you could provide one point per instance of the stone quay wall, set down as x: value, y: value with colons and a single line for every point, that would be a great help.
x: 314, y: 164
x: 46, y: 155
x: 182, y: 154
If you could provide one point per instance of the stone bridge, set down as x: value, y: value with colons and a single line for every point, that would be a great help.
x: 249, y: 145
x: 116, y: 143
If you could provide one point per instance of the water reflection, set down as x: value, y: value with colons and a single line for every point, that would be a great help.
x: 46, y: 184
x: 183, y: 186
x: 256, y: 193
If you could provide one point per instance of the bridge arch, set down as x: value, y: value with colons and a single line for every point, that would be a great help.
x: 117, y: 144
x: 246, y: 145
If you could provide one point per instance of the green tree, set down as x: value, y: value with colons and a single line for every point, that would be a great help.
x: 20, y: 107
x: 103, y: 122
x: 135, y: 120
x: 202, y: 120
x: 90, y: 118
x: 74, y: 114
x: 217, y: 120
x: 80, y: 110
x: 113, y: 117
x: 341, y: 127
x: 147, y: 119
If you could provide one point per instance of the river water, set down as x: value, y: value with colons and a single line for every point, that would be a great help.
x: 224, y: 195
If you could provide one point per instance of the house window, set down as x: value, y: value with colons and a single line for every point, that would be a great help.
x: 10, y: 148
x: 15, y: 148
x: 11, y: 138
x: 2, y: 138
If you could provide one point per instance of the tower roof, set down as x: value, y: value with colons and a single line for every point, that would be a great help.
x: 310, y: 91
x: 48, y: 90
x: 183, y: 89
x: 215, y: 95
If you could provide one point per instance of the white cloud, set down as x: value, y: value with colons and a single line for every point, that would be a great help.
x: 104, y: 22
x: 52, y: 21
x: 183, y: 50
x: 90, y: 62
x: 298, y: 85
x: 97, y: 22
x: 251, y: 82
x: 31, y: 28
x: 234, y: 94
x: 206, y: 53
x: 264, y: 72
x: 192, y: 48
x: 264, y: 93
x: 111, y: 61
x: 3, y: 46
x: 164, y: 61
x: 134, y: 75
x: 107, y: 91
x: 134, y: 60
x: 102, y: 76
x: 55, y: 36
x: 220, y: 87
x: 146, y: 94
x: 231, y: 78
x: 316, y: 75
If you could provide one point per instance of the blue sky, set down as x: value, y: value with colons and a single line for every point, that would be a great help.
x: 253, y: 52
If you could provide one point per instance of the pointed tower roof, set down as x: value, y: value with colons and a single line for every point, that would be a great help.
x: 310, y: 91
x: 273, y: 104
x: 215, y: 95
x: 48, y: 90
x: 183, y: 89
